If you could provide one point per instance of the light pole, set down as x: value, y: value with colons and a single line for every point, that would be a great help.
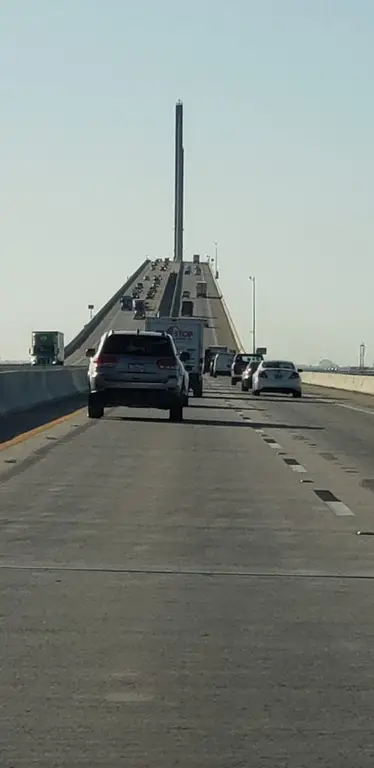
x: 362, y: 355
x: 90, y: 309
x: 216, y: 258
x: 253, y: 281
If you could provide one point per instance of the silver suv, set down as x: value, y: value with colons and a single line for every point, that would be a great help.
x: 137, y: 369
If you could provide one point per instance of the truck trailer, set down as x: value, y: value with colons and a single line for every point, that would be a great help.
x: 188, y: 336
x: 47, y: 348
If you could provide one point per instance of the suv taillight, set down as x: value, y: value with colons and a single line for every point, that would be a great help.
x: 167, y: 363
x: 105, y: 360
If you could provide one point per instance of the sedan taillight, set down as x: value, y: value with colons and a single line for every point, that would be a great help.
x: 262, y: 375
x: 294, y: 375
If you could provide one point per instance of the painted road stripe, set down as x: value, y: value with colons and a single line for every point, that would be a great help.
x: 275, y: 445
x: 333, y: 503
x: 355, y: 408
x: 298, y: 468
x: 339, y: 509
x: 38, y: 430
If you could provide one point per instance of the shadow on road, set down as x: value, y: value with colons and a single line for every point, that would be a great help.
x: 20, y: 423
x: 215, y: 423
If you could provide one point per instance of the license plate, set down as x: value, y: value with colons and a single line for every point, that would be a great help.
x: 136, y: 368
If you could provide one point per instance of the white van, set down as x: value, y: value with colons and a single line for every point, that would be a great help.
x: 222, y: 364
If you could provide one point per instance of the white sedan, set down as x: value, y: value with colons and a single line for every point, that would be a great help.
x: 280, y: 376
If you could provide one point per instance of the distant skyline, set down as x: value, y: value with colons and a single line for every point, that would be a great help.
x: 278, y: 127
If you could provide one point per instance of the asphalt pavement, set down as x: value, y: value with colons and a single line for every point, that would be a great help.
x: 178, y: 595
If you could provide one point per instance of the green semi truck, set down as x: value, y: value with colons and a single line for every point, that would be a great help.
x: 47, y: 348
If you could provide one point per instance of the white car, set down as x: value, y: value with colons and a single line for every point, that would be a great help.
x: 280, y: 376
x: 222, y: 364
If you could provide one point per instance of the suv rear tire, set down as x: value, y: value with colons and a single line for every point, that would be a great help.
x: 176, y: 412
x: 95, y: 410
x: 233, y: 382
x: 245, y: 386
x: 198, y: 391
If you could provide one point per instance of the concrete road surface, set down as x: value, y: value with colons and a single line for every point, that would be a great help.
x: 211, y: 308
x: 176, y: 595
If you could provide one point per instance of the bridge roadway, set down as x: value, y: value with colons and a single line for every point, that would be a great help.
x: 181, y: 595
x: 123, y: 320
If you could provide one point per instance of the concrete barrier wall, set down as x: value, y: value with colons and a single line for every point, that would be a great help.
x: 232, y: 326
x: 24, y: 390
x: 176, y: 305
x: 362, y: 384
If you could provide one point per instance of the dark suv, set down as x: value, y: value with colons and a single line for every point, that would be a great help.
x: 240, y: 363
x: 139, y: 370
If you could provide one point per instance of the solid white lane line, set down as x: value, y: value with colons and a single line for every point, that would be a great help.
x: 356, y: 408
x: 339, y: 509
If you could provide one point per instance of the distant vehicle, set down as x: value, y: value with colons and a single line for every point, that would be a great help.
x: 47, y: 348
x: 187, y: 308
x: 279, y: 376
x: 139, y: 309
x: 222, y: 364
x: 209, y: 355
x: 126, y: 302
x: 187, y: 271
x: 188, y: 337
x: 239, y: 364
x: 196, y: 258
x: 247, y: 375
x: 146, y: 278
x: 197, y: 271
x: 138, y: 370
x: 185, y: 295
x: 201, y: 289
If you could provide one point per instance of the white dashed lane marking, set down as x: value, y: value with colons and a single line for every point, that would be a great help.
x: 329, y: 499
x: 339, y: 509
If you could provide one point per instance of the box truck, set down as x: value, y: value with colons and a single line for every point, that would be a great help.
x: 188, y: 337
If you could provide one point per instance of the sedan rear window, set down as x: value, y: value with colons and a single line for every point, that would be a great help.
x: 138, y: 344
x: 243, y: 359
x: 278, y: 364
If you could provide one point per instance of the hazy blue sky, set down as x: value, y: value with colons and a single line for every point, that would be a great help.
x: 279, y: 127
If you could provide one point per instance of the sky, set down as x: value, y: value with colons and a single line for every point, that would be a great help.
x: 279, y: 161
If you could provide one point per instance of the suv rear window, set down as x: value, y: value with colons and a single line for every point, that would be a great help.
x: 138, y: 344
